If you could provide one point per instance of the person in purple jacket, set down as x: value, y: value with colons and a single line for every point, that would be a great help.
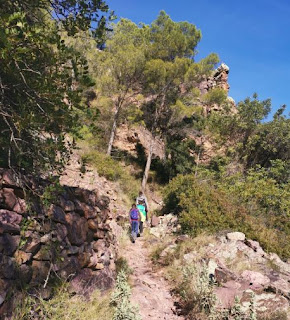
x: 135, y: 217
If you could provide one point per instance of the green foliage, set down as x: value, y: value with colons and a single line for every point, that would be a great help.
x: 123, y: 266
x: 179, y: 156
x: 113, y: 171
x: 196, y: 289
x: 63, y: 305
x: 51, y: 192
x: 215, y: 96
x: 41, y: 79
x: 120, y: 299
x: 173, y: 39
x: 254, y: 205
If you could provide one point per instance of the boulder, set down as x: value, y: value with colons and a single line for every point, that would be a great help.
x: 40, y: 270
x: 57, y: 214
x: 25, y: 273
x: 155, y: 221
x: 22, y: 257
x: 66, y: 205
x: 89, y: 212
x: 93, y: 224
x: 103, y: 202
x: 255, y: 246
x: 84, y: 259
x: 255, y: 280
x: 60, y: 232
x: 46, y: 252
x: 236, y: 236
x: 10, y: 199
x: 77, y: 228
x: 9, y: 217
x: 20, y: 206
x: 69, y: 267
x: 7, y: 267
x: 223, y: 275
x: 33, y: 244
x: 9, y: 244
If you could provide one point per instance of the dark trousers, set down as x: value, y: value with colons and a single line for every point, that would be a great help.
x: 141, y: 226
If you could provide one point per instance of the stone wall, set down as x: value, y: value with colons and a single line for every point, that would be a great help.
x: 71, y: 238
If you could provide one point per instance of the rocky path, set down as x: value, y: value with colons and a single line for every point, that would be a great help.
x: 149, y: 290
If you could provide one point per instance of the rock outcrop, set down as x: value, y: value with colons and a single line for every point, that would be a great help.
x: 70, y: 236
x: 218, y: 79
x: 240, y: 267
x: 129, y: 138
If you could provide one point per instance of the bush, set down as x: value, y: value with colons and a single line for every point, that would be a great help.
x: 120, y: 299
x: 113, y: 171
x: 204, y: 205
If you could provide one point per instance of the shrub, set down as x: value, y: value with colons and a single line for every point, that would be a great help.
x: 120, y: 299
x: 204, y: 205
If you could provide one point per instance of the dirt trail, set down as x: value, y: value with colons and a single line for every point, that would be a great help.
x: 150, y: 290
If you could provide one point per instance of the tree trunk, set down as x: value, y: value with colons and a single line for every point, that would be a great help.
x: 148, y: 165
x: 113, y: 131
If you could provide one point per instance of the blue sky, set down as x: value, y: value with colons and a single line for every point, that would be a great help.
x: 251, y: 37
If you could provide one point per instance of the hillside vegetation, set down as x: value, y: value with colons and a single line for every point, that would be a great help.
x: 70, y: 77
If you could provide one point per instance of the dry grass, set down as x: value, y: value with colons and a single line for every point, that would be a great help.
x: 65, y: 306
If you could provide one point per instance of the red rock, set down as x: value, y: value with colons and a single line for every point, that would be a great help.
x: 255, y: 280
x: 57, y: 214
x: 66, y: 205
x: 77, y: 228
x: 223, y: 275
x: 60, y: 232
x: 86, y: 281
x: 25, y: 273
x: 7, y: 267
x: 40, y: 271
x: 103, y: 202
x: 45, y: 253
x: 100, y: 234
x: 9, y: 198
x: 89, y: 212
x: 9, y: 228
x: 69, y: 267
x: 104, y: 226
x: 154, y: 221
x: 22, y: 257
x: 84, y: 259
x: 227, y: 293
x: 32, y: 245
x: 99, y: 246
x: 79, y: 206
x: 8, y: 178
x: 9, y: 217
x: 9, y: 244
x: 93, y: 225
x: 255, y: 246
x: 20, y: 206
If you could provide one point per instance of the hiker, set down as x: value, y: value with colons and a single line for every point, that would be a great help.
x: 134, y: 220
x: 142, y: 205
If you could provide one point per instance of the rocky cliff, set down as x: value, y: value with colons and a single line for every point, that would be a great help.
x: 68, y: 237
